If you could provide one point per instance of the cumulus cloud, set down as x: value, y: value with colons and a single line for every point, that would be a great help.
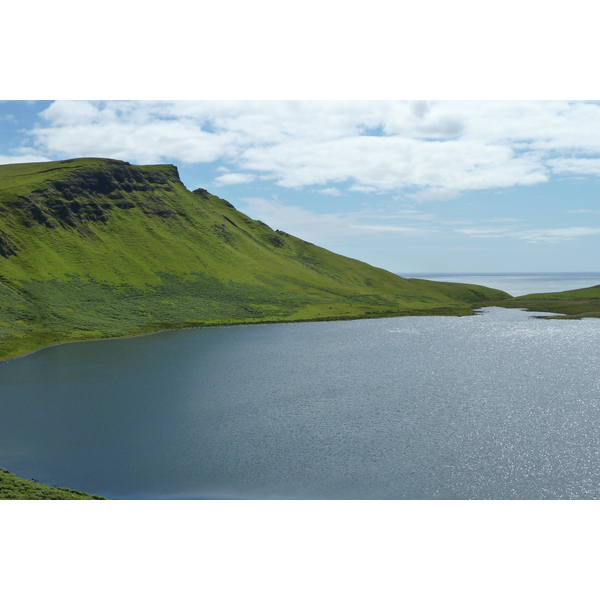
x: 431, y: 150
x: 139, y: 132
x: 391, y: 163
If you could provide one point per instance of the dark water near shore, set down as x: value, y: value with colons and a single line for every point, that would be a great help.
x: 499, y: 405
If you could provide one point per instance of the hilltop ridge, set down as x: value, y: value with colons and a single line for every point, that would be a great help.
x: 95, y: 248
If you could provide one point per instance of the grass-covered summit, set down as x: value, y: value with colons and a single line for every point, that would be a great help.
x: 95, y: 248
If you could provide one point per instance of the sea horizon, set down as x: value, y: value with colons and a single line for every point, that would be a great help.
x: 518, y: 283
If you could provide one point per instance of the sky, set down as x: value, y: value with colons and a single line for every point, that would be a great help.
x: 414, y: 186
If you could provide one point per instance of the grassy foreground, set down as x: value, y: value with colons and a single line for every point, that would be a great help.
x: 98, y: 248
x: 15, y: 488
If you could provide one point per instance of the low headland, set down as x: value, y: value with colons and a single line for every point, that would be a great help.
x: 572, y: 304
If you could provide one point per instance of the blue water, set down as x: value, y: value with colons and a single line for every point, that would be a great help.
x: 499, y: 405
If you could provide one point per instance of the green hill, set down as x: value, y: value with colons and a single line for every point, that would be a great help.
x: 95, y: 248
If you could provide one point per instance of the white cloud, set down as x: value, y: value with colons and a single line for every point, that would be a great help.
x: 73, y: 113
x: 139, y: 132
x: 330, y: 192
x: 390, y: 163
x: 577, y: 166
x: 233, y: 179
x: 431, y: 150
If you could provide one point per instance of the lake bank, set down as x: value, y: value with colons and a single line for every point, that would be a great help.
x: 17, y: 488
x: 443, y: 312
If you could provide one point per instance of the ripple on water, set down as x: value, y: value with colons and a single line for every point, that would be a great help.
x: 496, y: 405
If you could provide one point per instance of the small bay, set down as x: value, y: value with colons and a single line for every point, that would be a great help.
x: 499, y: 405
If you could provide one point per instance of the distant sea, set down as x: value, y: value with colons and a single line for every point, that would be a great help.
x: 518, y: 284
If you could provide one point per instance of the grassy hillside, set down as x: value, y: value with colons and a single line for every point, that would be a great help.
x: 572, y: 304
x: 15, y: 488
x: 95, y: 248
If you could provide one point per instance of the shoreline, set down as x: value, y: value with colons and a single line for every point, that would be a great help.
x: 266, y: 322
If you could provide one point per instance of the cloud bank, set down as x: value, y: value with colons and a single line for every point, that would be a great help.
x: 426, y: 150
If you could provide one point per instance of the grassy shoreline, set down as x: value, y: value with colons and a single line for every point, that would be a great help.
x: 17, y: 488
x: 443, y: 312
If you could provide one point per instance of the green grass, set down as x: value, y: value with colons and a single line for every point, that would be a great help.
x: 15, y: 488
x: 97, y: 248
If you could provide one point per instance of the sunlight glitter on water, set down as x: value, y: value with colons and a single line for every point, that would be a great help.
x: 498, y: 405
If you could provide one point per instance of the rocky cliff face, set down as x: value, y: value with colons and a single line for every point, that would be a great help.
x: 7, y: 247
x: 89, y: 194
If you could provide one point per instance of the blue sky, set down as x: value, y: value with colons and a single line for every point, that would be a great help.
x: 409, y: 186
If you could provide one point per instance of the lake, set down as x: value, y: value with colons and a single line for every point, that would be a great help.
x: 499, y: 405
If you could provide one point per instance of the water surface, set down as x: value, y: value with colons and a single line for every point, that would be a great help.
x: 494, y: 406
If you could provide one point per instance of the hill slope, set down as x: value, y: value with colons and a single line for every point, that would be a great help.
x: 16, y: 488
x: 94, y: 248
